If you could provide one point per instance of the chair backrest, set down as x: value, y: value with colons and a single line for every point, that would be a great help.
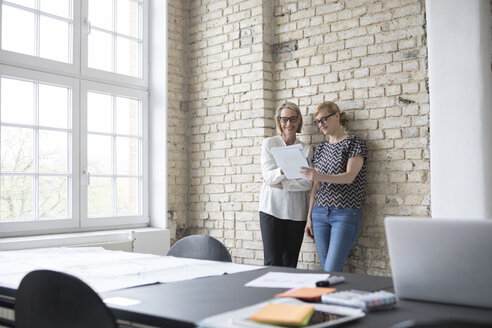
x: 200, y: 247
x: 51, y: 299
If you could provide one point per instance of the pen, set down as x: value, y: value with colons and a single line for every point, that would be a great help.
x: 330, y: 281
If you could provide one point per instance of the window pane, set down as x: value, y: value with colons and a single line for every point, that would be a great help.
x: 25, y: 3
x: 127, y: 156
x: 99, y: 112
x: 54, y: 105
x: 56, y: 7
x: 99, y: 197
x: 54, y: 39
x: 18, y: 33
x: 128, y: 57
x: 17, y: 149
x: 99, y: 154
x: 101, y: 14
x: 17, y: 101
x: 53, y: 197
x: 127, y: 116
x: 100, y: 50
x: 127, y: 196
x: 53, y: 147
x: 16, y: 198
x: 127, y: 18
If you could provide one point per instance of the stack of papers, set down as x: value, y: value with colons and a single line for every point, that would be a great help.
x: 290, y: 159
x: 106, y: 270
x: 287, y: 280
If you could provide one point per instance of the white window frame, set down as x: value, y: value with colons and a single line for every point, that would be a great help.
x: 99, y: 75
x: 117, y: 221
x: 48, y: 65
x: 80, y: 78
x: 55, y: 224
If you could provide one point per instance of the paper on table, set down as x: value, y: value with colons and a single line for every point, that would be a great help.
x: 106, y: 270
x: 290, y: 159
x: 122, y: 301
x: 287, y: 280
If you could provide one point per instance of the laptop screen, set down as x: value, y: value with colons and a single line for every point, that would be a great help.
x: 441, y: 260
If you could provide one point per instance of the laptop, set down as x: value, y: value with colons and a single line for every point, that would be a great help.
x: 441, y: 260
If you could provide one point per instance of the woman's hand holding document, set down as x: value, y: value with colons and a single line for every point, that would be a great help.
x: 290, y: 159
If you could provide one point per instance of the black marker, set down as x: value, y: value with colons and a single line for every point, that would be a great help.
x: 330, y: 281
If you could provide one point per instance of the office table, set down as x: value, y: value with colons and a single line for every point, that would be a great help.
x: 183, y: 304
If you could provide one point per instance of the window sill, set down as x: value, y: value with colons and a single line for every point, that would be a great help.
x: 141, y: 240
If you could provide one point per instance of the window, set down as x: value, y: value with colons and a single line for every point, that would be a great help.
x: 73, y: 115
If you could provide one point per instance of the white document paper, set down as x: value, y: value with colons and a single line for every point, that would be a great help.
x: 290, y: 159
x: 121, y: 301
x: 106, y: 270
x: 287, y: 280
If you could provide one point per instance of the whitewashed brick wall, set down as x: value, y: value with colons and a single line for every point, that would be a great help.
x: 246, y: 57
x: 178, y: 119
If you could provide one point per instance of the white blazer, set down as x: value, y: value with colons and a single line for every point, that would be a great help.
x: 291, y: 202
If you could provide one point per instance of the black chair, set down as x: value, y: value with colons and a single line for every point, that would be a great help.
x: 200, y: 247
x: 51, y: 299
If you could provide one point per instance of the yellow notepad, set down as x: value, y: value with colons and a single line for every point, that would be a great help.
x: 284, y: 314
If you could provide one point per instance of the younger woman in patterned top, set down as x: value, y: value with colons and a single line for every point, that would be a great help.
x: 337, y: 195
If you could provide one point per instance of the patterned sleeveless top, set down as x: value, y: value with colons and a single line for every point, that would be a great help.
x: 332, y: 159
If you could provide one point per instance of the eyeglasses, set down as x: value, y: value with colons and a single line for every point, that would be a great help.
x: 323, y: 119
x: 292, y: 119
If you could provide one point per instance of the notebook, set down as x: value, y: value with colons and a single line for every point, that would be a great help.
x: 441, y: 260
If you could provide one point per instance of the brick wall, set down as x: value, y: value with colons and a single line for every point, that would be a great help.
x: 178, y: 119
x: 246, y: 57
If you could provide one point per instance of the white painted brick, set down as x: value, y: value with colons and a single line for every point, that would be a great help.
x: 360, y: 115
x: 317, y: 70
x: 408, y: 88
x: 345, y: 24
x: 345, y: 75
x: 363, y: 125
x: 393, y: 111
x: 376, y: 60
x: 306, y: 91
x: 332, y: 87
x: 359, y: 41
x: 379, y: 48
x: 410, y: 66
x: 329, y: 8
x: 359, y: 51
x: 361, y: 94
x: 375, y: 18
x: 361, y: 83
x: 344, y: 65
x: 393, y: 90
x: 392, y: 123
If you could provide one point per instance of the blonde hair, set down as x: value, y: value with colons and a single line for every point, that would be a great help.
x: 330, y: 108
x: 290, y: 106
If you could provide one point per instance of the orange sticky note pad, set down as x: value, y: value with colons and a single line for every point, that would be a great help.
x: 306, y: 293
x: 284, y: 314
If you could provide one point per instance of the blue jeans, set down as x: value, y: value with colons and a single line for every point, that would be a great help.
x: 335, y: 232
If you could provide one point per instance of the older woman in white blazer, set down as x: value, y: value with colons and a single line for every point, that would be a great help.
x: 283, y: 202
